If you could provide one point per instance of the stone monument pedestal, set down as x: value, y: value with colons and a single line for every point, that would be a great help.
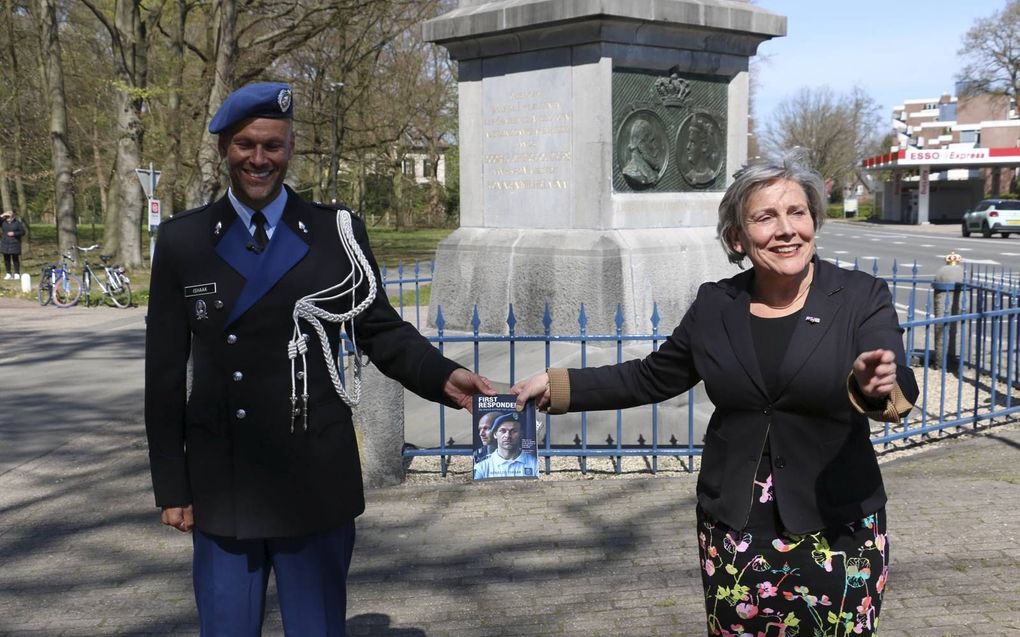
x: 596, y: 139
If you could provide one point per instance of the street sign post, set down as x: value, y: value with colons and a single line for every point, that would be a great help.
x: 149, y: 178
x: 154, y: 217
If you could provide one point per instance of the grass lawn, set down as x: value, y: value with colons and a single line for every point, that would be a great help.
x: 39, y: 248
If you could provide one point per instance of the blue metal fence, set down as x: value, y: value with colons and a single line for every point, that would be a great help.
x: 972, y: 377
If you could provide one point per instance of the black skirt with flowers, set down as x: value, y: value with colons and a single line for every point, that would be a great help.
x: 765, y: 582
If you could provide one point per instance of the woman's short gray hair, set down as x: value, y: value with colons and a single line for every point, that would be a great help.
x: 757, y: 175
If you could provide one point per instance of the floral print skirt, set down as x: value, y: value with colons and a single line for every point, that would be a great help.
x: 764, y: 582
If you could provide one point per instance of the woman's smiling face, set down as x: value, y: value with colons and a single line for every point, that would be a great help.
x: 777, y: 232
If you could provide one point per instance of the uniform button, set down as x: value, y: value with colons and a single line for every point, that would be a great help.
x: 238, y: 376
x: 780, y: 462
x: 240, y: 413
x: 231, y: 339
x: 767, y: 411
x: 218, y: 304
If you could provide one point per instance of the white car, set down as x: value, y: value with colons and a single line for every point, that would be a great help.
x: 992, y: 216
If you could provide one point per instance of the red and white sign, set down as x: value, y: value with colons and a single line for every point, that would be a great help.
x: 154, y: 217
x: 945, y: 157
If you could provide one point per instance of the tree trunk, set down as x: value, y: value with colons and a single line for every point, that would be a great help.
x: 129, y: 201
x: 5, y: 189
x: 16, y: 163
x: 398, y: 190
x: 174, y: 107
x: 61, y: 152
x: 226, y: 54
x: 97, y: 162
x: 111, y: 216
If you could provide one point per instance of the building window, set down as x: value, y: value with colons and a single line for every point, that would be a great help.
x: 968, y: 137
x: 427, y: 168
x: 409, y: 166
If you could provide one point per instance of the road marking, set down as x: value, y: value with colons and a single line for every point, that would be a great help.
x: 840, y: 251
x: 1009, y: 254
x: 895, y: 243
x: 9, y: 360
x: 927, y: 245
x: 983, y: 261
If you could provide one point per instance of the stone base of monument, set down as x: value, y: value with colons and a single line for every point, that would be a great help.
x: 379, y: 426
x: 637, y: 269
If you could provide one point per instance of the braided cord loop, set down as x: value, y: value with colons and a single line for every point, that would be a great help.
x: 307, y: 309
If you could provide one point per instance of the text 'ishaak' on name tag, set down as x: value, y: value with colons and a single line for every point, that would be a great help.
x: 200, y: 289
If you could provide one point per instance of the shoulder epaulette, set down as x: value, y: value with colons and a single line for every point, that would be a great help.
x: 333, y: 207
x: 186, y: 213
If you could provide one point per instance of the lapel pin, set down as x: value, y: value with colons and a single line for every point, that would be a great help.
x: 812, y: 319
x: 201, y: 311
x: 219, y: 228
x: 301, y: 227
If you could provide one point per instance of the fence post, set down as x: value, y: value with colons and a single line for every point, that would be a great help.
x: 379, y: 422
x: 947, y: 286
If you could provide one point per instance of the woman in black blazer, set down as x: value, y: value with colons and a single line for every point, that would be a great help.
x: 795, y: 354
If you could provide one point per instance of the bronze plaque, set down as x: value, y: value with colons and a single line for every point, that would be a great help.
x: 669, y: 131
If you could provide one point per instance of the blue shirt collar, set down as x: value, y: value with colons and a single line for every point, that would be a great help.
x: 273, y: 211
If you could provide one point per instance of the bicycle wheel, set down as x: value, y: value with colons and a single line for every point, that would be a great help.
x: 119, y: 293
x: 86, y: 287
x: 66, y: 289
x: 45, y: 289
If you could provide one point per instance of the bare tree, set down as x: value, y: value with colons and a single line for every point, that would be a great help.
x: 836, y: 131
x: 991, y: 51
x: 63, y: 165
x: 129, y: 31
x: 14, y: 109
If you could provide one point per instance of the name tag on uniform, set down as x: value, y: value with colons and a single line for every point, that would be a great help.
x: 200, y: 290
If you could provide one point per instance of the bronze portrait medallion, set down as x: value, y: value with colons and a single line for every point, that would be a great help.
x: 699, y: 149
x: 642, y: 149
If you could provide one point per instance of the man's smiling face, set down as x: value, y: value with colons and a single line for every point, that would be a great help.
x: 258, y: 151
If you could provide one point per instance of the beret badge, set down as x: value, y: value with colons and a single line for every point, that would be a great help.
x: 283, y: 99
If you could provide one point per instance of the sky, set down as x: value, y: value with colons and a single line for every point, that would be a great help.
x: 895, y: 49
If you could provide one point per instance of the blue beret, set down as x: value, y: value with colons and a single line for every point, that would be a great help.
x: 264, y: 99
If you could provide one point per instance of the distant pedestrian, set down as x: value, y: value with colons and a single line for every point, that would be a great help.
x: 10, y: 244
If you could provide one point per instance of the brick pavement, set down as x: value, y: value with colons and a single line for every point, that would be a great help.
x: 82, y: 552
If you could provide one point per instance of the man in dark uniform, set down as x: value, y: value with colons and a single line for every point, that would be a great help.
x: 261, y: 461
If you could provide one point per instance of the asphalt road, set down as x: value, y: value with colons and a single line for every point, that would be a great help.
x: 928, y: 245
x: 62, y: 371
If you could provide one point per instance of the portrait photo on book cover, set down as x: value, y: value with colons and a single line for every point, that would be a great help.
x: 505, y: 444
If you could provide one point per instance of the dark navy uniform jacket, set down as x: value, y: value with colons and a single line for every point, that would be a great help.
x: 824, y: 469
x: 228, y: 448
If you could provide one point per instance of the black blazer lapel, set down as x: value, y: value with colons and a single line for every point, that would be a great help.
x: 736, y: 320
x: 816, y: 318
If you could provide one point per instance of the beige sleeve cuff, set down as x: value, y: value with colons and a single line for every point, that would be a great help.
x: 559, y: 390
x: 890, y: 409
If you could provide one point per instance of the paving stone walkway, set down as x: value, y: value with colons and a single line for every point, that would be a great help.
x: 83, y: 554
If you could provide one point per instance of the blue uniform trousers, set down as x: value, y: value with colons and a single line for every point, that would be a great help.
x: 231, y: 577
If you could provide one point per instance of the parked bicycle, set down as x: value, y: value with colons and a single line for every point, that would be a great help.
x: 113, y: 281
x: 59, y: 285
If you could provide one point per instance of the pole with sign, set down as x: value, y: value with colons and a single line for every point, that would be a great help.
x: 149, y: 179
